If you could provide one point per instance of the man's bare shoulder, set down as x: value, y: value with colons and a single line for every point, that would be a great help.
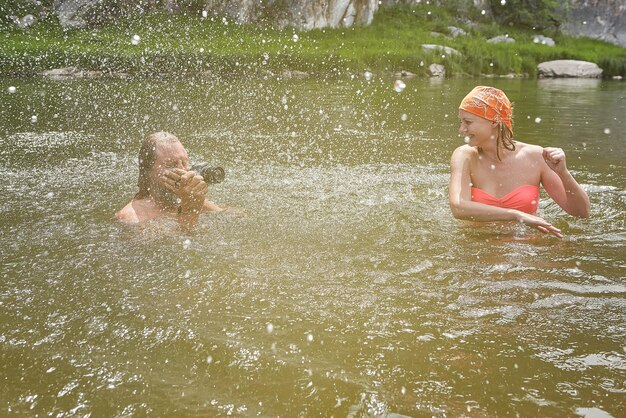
x: 137, y: 210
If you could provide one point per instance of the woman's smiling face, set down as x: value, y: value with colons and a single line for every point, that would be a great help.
x: 477, y: 131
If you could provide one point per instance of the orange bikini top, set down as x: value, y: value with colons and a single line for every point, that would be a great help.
x: 524, y: 198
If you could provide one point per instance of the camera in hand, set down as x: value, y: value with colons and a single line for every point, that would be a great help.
x: 211, y: 175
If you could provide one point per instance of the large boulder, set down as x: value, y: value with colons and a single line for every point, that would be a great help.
x: 600, y: 19
x: 302, y: 14
x: 569, y: 68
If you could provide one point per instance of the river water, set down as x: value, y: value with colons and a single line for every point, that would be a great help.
x: 338, y: 285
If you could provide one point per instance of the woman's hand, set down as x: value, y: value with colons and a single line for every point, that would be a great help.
x: 555, y: 158
x: 539, y: 224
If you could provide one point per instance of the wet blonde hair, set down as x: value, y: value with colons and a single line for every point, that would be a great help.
x: 504, y: 139
x: 147, y: 155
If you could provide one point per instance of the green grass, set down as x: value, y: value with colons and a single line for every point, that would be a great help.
x: 182, y: 45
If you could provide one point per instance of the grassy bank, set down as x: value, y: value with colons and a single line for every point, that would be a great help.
x: 182, y: 44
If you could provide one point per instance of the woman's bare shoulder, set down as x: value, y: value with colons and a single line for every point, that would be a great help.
x: 465, y: 152
x: 530, y: 149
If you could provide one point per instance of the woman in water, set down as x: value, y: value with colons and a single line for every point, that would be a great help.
x: 496, y: 178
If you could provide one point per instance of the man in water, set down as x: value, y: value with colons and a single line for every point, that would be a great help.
x: 166, y: 186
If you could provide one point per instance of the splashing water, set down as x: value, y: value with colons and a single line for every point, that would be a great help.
x: 399, y: 86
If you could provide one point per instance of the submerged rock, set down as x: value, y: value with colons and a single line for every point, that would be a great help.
x: 569, y: 68
x: 70, y: 72
x: 437, y: 70
x: 404, y: 73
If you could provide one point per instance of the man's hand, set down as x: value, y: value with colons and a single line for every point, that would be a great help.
x: 189, y: 187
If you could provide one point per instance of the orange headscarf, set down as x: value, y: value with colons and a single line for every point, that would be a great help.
x: 489, y: 103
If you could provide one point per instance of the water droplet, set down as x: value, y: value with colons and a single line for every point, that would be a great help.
x: 269, y: 328
x: 503, y: 2
x: 483, y: 12
x: 368, y: 75
x: 491, y: 64
x: 12, y: 89
x: 186, y: 244
x: 537, y: 119
x: 135, y: 40
x: 607, y: 131
x: 205, y: 14
x: 33, y: 118
x: 493, y: 167
x: 466, y: 139
x: 209, y: 359
x: 50, y: 195
x: 295, y: 37
x: 399, y: 85
x: 201, y: 50
x: 403, y: 117
x: 309, y: 338
x: 403, y: 390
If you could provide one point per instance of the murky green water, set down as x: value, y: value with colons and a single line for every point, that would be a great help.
x: 345, y: 288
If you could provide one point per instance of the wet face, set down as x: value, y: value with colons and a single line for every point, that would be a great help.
x: 477, y: 131
x: 167, y: 156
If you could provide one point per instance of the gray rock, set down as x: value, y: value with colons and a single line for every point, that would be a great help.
x: 599, y: 19
x: 294, y: 74
x: 456, y: 32
x: 569, y: 68
x: 446, y: 49
x: 302, y: 14
x: 437, y: 70
x: 502, y: 39
x: 63, y: 72
x: 26, y: 22
x: 70, y: 72
x: 404, y: 73
x: 74, y: 13
x: 543, y: 40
